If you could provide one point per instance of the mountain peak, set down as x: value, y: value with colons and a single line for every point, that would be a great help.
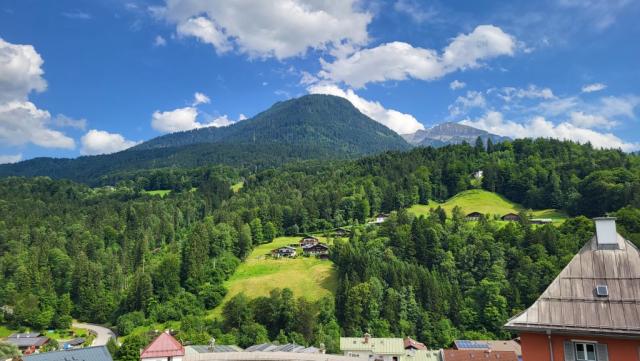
x: 450, y: 133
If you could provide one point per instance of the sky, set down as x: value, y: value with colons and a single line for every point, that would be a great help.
x: 93, y: 77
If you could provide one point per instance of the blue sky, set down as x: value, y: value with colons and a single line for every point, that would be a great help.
x: 92, y: 77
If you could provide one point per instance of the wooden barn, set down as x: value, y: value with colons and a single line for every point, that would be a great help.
x: 511, y: 217
x: 473, y: 216
x: 320, y: 250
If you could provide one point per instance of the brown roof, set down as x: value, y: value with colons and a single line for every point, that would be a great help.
x: 411, y: 343
x: 571, y: 305
x: 477, y: 355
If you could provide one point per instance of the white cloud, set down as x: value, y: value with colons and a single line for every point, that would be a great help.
x: 400, y: 61
x: 457, y: 84
x: 580, y: 119
x: 260, y: 28
x: 590, y: 88
x: 102, y: 142
x: 21, y: 121
x: 159, y: 41
x: 401, y: 123
x: 200, y: 98
x: 473, y: 99
x: 186, y: 118
x: 175, y: 120
x: 539, y: 127
x: 414, y: 10
x: 531, y: 92
x: 64, y: 121
x: 10, y: 158
x: 20, y: 72
x: 206, y: 31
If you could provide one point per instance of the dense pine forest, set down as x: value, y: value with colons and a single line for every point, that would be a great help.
x: 118, y: 255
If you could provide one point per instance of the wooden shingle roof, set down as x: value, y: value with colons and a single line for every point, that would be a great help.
x: 571, y: 304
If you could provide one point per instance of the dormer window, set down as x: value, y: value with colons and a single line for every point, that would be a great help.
x: 602, y: 291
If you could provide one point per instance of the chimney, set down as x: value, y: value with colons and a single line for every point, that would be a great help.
x: 366, y: 337
x: 606, y: 235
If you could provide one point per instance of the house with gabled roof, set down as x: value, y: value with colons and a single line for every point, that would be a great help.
x: 163, y: 348
x: 94, y: 353
x: 591, y: 310
x: 386, y: 349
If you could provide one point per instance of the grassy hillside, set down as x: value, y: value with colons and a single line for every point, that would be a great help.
x: 478, y: 200
x: 308, y: 277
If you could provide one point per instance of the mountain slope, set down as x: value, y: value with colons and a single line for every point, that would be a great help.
x: 310, y: 127
x: 450, y: 133
x: 322, y: 120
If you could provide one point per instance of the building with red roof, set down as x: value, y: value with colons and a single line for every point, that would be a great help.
x: 164, y: 348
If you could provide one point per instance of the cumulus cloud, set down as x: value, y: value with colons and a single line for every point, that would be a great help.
x: 400, y: 61
x: 457, y: 84
x: 581, y: 119
x: 539, y: 127
x: 102, y: 142
x: 590, y: 88
x: 186, y: 118
x: 159, y: 41
x: 401, y: 123
x: 259, y: 28
x: 10, y: 158
x: 21, y: 121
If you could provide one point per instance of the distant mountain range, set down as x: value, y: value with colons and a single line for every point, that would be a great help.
x: 450, y: 133
x: 309, y: 127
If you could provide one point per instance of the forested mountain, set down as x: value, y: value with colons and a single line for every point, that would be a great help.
x: 310, y: 127
x: 325, y: 121
x: 450, y: 133
x: 118, y: 255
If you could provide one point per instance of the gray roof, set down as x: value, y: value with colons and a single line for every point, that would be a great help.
x: 570, y: 304
x: 22, y: 342
x: 216, y: 348
x: 25, y: 334
x: 97, y: 353
x: 290, y: 347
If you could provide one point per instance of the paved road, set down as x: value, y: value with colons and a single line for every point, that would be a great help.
x: 103, y: 334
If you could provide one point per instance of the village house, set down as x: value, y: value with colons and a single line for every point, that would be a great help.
x: 308, y: 241
x: 380, y: 218
x: 591, y: 311
x: 386, y: 349
x: 286, y: 251
x: 511, y: 217
x: 95, y: 353
x: 491, y: 345
x: 163, y: 348
x: 476, y: 355
x: 27, y: 343
x: 73, y: 343
x: 319, y: 250
x: 473, y: 216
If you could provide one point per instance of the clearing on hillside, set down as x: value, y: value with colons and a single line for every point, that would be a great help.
x: 485, y: 202
x: 308, y: 277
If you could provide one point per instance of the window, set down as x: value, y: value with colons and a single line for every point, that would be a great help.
x: 585, y: 352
